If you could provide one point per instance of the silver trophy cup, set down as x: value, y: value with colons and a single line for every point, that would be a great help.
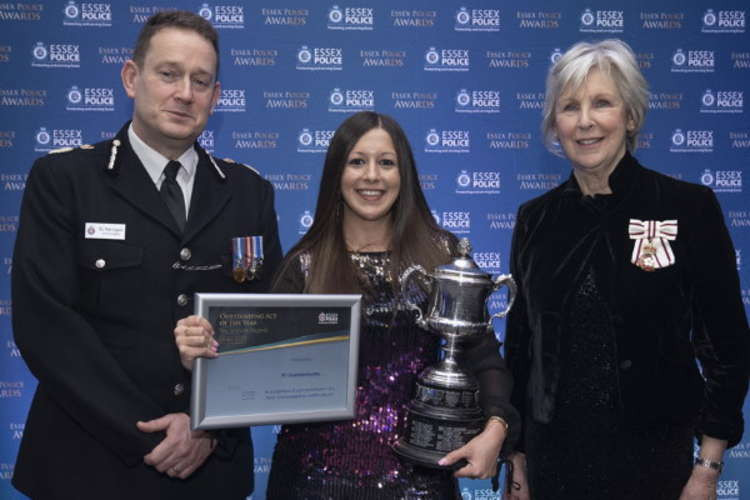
x: 445, y: 414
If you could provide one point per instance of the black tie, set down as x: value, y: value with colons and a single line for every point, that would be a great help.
x: 172, y: 193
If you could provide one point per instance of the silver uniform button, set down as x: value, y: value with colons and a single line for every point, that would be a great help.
x: 182, y: 299
x: 185, y: 254
x: 179, y: 389
x: 100, y: 263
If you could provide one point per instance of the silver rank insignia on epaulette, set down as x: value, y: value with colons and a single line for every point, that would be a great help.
x: 113, y: 154
x: 218, y: 169
x: 61, y: 150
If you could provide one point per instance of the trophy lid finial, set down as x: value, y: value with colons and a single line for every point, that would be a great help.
x: 464, y: 247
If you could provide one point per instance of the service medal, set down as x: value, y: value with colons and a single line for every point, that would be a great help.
x: 247, y: 257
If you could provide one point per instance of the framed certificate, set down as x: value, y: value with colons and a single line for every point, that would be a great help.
x: 283, y: 358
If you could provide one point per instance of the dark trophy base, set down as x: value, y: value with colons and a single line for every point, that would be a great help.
x: 434, y: 431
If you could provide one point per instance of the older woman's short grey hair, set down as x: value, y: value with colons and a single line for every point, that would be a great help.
x: 613, y: 57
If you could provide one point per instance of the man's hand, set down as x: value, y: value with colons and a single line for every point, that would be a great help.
x: 194, y: 337
x: 183, y: 450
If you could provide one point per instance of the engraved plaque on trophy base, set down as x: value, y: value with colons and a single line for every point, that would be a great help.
x: 438, y: 421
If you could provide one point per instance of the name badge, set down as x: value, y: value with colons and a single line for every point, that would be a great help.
x: 104, y: 231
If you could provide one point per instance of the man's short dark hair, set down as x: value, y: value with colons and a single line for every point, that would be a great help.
x: 180, y: 19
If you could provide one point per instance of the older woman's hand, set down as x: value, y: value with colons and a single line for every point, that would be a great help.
x: 194, y: 337
x: 701, y: 485
x: 519, y: 488
x: 481, y: 452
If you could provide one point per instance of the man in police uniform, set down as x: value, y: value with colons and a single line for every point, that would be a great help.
x: 110, y: 249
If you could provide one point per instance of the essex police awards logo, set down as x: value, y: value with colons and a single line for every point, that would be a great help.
x: 87, y: 14
x: 223, y: 16
x: 7, y: 138
x: 692, y: 141
x: 47, y: 140
x: 477, y: 101
x: 602, y: 21
x: 478, y: 182
x: 447, y: 141
x: 12, y: 388
x: 477, y: 20
x: 693, y: 61
x: 56, y: 55
x: 555, y: 56
x: 508, y: 140
x: 501, y: 221
x: 351, y: 100
x: 539, y: 20
x: 722, y: 181
x: 290, y: 182
x: 284, y: 16
x: 8, y: 224
x: 27, y: 12
x: 13, y: 182
x: 446, y: 59
x: 320, y: 58
x: 255, y: 139
x: 723, y: 21
x: 231, y: 101
x: 413, y: 18
x: 23, y: 97
x: 253, y: 57
x: 206, y: 140
x: 313, y: 141
x: 487, y: 261
x: 351, y: 18
x: 722, y: 101
x: 305, y: 222
x: 458, y: 222
x: 90, y: 99
x: 728, y: 489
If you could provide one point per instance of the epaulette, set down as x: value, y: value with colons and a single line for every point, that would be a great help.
x: 229, y: 160
x: 61, y: 150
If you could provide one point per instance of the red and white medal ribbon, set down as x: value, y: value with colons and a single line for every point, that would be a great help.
x: 651, y: 249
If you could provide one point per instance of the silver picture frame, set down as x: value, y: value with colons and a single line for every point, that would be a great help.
x: 283, y: 358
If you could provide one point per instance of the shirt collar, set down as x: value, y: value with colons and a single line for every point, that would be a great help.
x: 154, y: 162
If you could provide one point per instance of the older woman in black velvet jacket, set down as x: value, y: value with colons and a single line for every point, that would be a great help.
x: 626, y: 277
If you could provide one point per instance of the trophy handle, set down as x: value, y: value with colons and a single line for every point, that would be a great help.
x: 507, y: 280
x: 404, y: 282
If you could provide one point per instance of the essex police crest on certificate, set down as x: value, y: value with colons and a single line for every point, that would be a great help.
x: 283, y: 358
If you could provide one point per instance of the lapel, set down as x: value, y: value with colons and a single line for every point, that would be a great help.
x: 211, y: 193
x: 130, y: 181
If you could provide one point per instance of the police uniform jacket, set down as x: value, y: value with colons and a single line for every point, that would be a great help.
x: 663, y: 319
x: 94, y: 318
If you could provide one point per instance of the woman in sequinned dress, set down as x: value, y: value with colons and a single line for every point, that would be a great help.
x: 625, y: 277
x: 371, y: 222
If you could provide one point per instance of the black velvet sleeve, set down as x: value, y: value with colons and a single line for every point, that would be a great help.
x: 518, y: 332
x: 720, y: 336
x: 495, y: 384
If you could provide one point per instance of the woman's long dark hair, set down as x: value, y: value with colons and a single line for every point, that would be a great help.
x: 415, y: 238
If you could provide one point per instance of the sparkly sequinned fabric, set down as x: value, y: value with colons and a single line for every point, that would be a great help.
x: 586, y: 452
x: 353, y: 459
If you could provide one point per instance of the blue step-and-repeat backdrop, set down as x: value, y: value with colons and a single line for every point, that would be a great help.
x: 464, y: 78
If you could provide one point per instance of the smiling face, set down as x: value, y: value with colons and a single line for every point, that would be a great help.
x: 174, y: 90
x: 371, y: 180
x: 592, y: 124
